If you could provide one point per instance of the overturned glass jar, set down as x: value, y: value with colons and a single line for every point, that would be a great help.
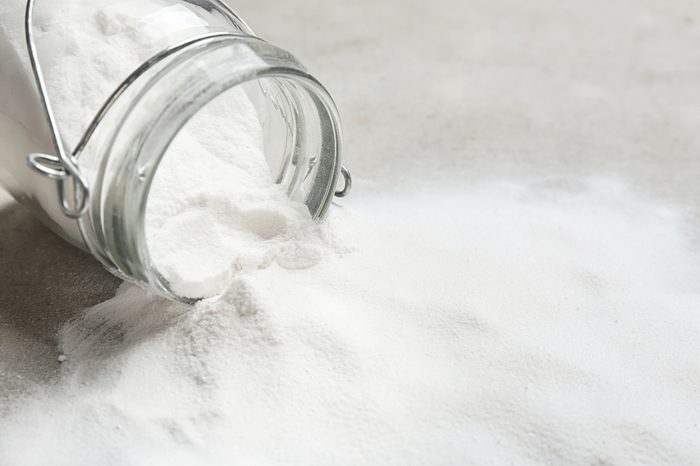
x: 96, y: 195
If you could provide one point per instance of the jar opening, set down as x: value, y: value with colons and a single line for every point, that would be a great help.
x: 232, y: 97
x: 232, y: 186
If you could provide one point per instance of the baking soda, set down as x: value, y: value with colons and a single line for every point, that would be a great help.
x: 521, y: 323
x: 213, y: 209
x: 549, y: 320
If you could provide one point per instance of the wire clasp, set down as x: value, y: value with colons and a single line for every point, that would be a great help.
x: 62, y: 167
x: 348, y: 182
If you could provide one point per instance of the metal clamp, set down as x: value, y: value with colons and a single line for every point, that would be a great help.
x: 62, y: 167
x: 348, y: 183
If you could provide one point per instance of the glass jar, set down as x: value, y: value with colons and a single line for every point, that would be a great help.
x: 95, y: 196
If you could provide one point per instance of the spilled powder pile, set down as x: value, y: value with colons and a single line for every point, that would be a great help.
x: 513, y: 323
x: 545, y: 322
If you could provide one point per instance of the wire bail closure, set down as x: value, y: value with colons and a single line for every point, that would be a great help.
x: 63, y: 167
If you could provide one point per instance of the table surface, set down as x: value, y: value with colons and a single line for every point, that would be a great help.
x: 446, y: 90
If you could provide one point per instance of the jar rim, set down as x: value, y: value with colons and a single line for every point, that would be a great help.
x: 114, y: 226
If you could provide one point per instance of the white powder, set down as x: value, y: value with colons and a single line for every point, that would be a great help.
x: 214, y: 210
x: 516, y: 323
x: 508, y: 323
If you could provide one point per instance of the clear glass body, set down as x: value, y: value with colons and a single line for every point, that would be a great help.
x: 120, y: 153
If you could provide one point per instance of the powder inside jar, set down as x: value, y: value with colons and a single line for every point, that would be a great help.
x: 213, y: 208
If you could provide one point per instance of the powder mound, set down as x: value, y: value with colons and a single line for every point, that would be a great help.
x: 541, y: 333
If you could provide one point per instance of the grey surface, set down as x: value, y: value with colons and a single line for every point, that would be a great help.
x: 472, y: 89
x: 448, y: 89
x: 43, y: 283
